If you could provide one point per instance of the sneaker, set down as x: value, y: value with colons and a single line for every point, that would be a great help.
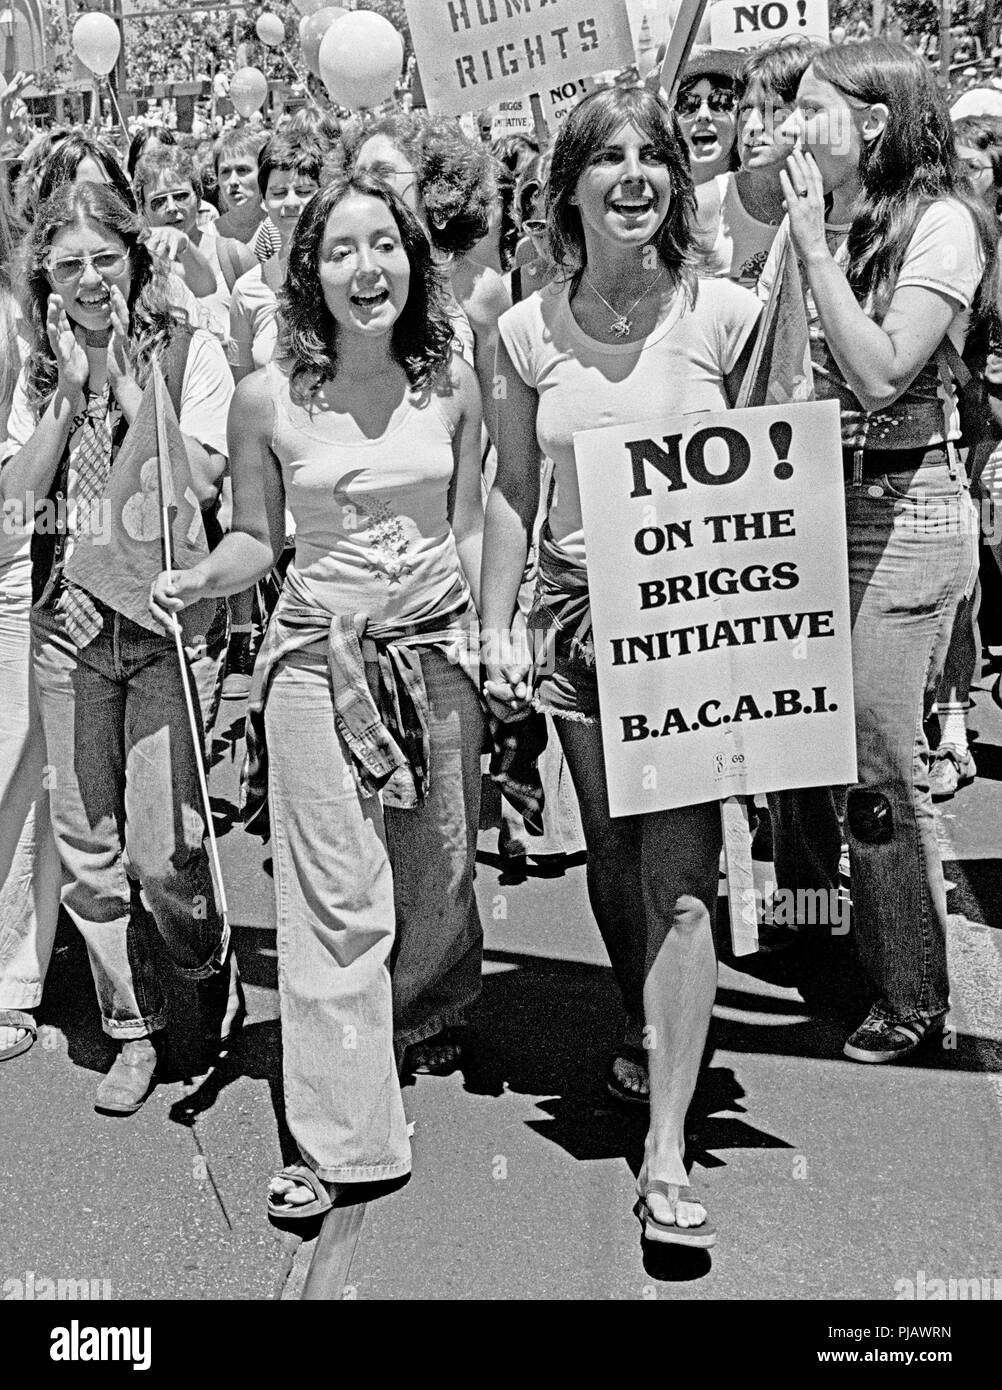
x: 882, y: 1039
x: 953, y: 768
x: 239, y: 667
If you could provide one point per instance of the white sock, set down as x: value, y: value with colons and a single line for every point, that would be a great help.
x: 953, y: 725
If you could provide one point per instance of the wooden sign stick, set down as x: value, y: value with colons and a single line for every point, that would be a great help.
x: 680, y: 43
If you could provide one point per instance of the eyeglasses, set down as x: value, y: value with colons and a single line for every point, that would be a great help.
x: 184, y: 197
x: 720, y: 100
x: 974, y: 168
x: 108, y: 264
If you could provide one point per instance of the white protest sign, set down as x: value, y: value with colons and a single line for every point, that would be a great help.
x: 739, y: 24
x: 515, y: 117
x: 472, y: 53
x: 719, y: 591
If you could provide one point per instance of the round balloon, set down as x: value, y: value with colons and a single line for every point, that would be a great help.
x: 270, y: 30
x: 360, y: 60
x: 248, y: 90
x: 311, y: 34
x: 97, y: 42
x: 308, y: 7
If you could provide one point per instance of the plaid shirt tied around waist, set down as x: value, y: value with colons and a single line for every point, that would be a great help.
x: 385, y: 729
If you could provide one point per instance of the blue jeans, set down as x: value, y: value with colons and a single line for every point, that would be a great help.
x: 127, y: 813
x: 912, y: 554
x: 362, y: 893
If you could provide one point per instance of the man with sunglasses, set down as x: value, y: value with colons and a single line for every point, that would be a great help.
x: 706, y: 107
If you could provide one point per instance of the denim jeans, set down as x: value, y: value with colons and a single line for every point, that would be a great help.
x: 30, y: 871
x: 912, y: 554
x: 361, y: 892
x: 127, y: 813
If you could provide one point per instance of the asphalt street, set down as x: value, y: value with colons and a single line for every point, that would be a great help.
x: 826, y: 1179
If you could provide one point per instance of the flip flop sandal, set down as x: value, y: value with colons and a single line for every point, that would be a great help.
x: 15, y: 1018
x: 305, y: 1177
x: 628, y: 1052
x: 696, y: 1237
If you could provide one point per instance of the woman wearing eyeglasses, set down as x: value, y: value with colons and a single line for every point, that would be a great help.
x: 706, y: 107
x: 168, y: 191
x: 125, y: 802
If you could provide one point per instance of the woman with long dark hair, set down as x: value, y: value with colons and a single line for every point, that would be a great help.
x: 124, y: 794
x: 893, y: 272
x: 29, y: 865
x: 368, y: 429
x: 625, y: 330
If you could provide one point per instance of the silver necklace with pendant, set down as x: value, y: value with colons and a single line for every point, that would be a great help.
x: 621, y: 326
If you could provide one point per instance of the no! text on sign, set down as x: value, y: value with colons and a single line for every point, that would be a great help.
x: 719, y: 593
x: 738, y: 24
x: 472, y: 53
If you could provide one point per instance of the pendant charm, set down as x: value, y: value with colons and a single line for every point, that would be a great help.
x: 621, y: 328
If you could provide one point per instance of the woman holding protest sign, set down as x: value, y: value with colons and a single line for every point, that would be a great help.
x: 368, y: 428
x: 893, y: 276
x: 124, y: 794
x: 624, y: 332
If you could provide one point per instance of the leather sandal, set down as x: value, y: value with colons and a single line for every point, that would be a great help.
x: 300, y: 1174
x: 17, y: 1018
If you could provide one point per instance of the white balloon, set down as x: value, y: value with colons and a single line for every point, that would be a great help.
x: 360, y: 59
x: 97, y: 42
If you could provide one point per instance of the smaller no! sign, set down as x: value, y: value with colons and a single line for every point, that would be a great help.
x: 739, y: 24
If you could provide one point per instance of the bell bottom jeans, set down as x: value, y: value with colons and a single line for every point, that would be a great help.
x: 127, y: 813
x: 379, y: 936
x: 30, y: 872
x: 912, y: 556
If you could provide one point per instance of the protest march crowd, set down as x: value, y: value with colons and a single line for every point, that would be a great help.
x: 339, y: 365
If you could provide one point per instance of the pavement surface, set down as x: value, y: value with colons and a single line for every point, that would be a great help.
x: 826, y: 1179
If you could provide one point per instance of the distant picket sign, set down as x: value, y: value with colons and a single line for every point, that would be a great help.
x: 738, y: 24
x: 515, y: 117
x: 475, y: 53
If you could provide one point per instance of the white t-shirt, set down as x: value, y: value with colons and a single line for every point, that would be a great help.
x: 944, y: 254
x: 584, y: 384
x: 253, y: 321
x: 206, y: 393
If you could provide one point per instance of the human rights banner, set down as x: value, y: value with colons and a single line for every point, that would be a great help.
x: 719, y: 592
x: 474, y: 53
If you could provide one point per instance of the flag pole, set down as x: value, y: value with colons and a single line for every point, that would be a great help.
x: 168, y: 503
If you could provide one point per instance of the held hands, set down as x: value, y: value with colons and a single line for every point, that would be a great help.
x: 172, y: 591
x: 804, y: 197
x: 507, y: 666
x: 67, y: 343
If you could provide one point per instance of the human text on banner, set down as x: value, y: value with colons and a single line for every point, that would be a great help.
x: 473, y: 53
x: 118, y: 564
x: 737, y: 24
x: 719, y: 592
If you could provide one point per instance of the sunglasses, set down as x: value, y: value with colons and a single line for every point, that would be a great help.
x: 108, y: 265
x: 720, y: 100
